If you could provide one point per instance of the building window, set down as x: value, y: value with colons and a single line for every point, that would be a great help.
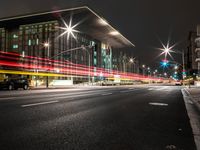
x: 95, y: 61
x: 37, y: 41
x: 15, y: 36
x: 29, y: 42
x: 15, y: 46
x: 95, y: 53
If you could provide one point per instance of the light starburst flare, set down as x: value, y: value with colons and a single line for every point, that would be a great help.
x: 166, y: 50
x: 69, y: 29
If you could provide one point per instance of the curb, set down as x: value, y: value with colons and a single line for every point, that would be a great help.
x: 51, y: 88
x: 192, y: 99
x: 193, y: 115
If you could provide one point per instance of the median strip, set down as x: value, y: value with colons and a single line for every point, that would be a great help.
x: 41, y: 103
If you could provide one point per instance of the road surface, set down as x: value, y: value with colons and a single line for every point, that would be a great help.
x: 107, y: 118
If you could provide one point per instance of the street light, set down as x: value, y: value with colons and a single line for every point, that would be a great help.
x: 77, y: 48
x: 132, y: 61
x: 69, y: 29
x: 183, y: 61
x: 47, y: 45
x: 143, y: 69
x: 167, y: 50
x: 176, y: 67
x: 149, y: 71
x: 84, y: 48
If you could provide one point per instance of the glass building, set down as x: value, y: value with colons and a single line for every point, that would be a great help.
x: 59, y: 47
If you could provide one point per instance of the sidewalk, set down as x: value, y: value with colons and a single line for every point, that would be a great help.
x: 194, y: 92
x: 192, y: 102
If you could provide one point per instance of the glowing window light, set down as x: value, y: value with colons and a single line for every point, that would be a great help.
x: 15, y: 46
x: 37, y: 41
x: 29, y: 42
x: 23, y: 53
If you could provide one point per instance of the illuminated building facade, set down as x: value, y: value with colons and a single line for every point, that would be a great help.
x: 190, y: 54
x: 73, y: 45
x: 197, y: 50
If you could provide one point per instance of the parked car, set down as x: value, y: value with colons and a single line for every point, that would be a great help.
x: 14, y: 84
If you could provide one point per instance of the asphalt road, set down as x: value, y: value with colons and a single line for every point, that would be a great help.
x: 118, y: 118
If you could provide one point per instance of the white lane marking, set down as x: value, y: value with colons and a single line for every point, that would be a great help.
x: 124, y: 91
x: 159, y: 89
x: 158, y: 104
x: 131, y: 88
x: 6, y: 98
x: 50, y: 95
x: 106, y: 94
x: 41, y: 103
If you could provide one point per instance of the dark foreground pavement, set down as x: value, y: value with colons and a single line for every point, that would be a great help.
x: 148, y: 118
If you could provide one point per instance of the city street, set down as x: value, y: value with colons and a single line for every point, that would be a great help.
x: 95, y: 118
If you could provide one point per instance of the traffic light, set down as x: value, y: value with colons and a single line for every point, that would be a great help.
x: 164, y: 63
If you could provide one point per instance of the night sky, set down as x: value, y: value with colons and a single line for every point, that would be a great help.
x: 143, y: 22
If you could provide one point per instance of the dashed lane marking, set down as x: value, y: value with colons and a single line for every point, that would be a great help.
x: 124, y: 91
x: 158, y: 104
x: 105, y: 94
x: 41, y: 103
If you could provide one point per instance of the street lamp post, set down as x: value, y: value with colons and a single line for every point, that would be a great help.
x: 143, y: 69
x: 132, y: 61
x: 167, y: 50
x: 77, y: 48
x: 149, y: 74
x: 69, y: 29
x: 84, y: 48
x: 183, y: 60
x: 47, y: 45
x: 124, y: 63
